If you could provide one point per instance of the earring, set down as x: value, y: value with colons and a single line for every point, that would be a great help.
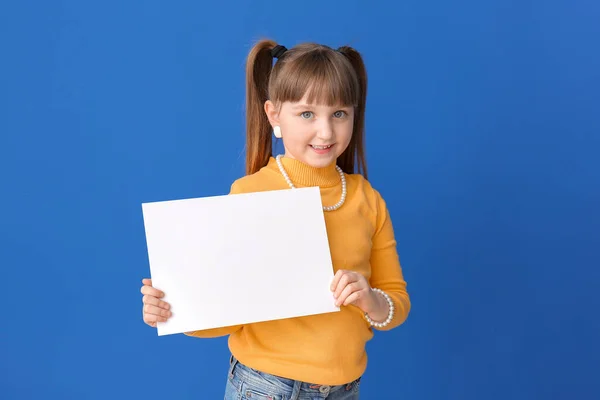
x: 277, y: 132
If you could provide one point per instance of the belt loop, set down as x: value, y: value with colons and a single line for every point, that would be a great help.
x: 232, y: 363
x: 296, y: 390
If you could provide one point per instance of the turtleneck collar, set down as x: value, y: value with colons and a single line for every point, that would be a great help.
x: 303, y: 174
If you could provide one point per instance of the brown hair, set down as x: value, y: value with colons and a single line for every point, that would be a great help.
x: 331, y: 77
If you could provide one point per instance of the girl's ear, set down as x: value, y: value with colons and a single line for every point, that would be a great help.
x: 272, y: 113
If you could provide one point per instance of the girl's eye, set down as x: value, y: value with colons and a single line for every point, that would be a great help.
x: 339, y: 114
x: 306, y: 114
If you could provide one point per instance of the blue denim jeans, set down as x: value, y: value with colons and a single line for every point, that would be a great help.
x: 245, y: 383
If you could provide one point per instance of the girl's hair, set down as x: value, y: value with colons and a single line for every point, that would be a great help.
x: 330, y: 77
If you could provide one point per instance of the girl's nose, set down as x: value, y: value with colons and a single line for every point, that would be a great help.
x: 325, y: 131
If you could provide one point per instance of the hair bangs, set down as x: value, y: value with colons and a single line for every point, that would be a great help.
x: 323, y: 78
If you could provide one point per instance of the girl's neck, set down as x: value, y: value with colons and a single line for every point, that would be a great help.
x: 303, y: 174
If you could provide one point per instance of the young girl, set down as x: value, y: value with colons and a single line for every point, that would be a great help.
x: 313, y: 98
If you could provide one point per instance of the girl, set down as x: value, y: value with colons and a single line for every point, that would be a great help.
x: 313, y: 98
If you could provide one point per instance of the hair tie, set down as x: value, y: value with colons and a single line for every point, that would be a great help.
x: 278, y: 51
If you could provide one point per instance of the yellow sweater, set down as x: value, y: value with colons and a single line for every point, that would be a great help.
x: 327, y: 349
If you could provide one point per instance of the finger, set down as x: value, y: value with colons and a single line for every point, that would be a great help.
x: 347, y: 278
x: 348, y: 290
x: 152, y: 291
x: 154, y: 310
x: 155, y: 302
x: 147, y: 281
x: 354, y: 297
x: 336, y: 279
x: 340, y: 282
x: 151, y: 319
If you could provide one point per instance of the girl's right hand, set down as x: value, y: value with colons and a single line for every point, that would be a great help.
x: 154, y: 309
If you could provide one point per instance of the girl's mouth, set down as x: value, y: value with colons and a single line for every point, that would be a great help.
x: 321, y: 149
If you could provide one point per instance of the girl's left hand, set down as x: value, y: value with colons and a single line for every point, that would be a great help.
x: 350, y: 287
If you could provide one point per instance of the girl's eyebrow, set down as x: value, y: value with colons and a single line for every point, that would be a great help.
x: 303, y: 105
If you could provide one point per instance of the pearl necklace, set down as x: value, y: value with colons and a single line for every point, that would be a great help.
x: 325, y: 208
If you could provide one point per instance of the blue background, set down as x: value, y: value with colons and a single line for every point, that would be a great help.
x: 483, y: 136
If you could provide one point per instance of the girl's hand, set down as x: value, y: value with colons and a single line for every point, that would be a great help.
x: 154, y: 310
x: 350, y: 287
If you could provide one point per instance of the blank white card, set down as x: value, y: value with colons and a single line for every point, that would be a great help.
x: 238, y: 259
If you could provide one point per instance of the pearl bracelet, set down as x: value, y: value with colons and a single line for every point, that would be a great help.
x: 390, y: 313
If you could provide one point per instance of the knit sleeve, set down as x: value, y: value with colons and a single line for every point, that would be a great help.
x: 386, y: 272
x: 228, y: 330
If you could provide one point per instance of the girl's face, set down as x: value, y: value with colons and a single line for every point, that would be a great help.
x: 313, y: 134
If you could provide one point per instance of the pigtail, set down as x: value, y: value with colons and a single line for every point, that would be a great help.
x: 355, y: 153
x: 258, y: 128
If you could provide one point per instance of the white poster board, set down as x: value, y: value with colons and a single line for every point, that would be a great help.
x: 237, y: 259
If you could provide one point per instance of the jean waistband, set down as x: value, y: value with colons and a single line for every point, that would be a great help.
x: 298, y: 386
